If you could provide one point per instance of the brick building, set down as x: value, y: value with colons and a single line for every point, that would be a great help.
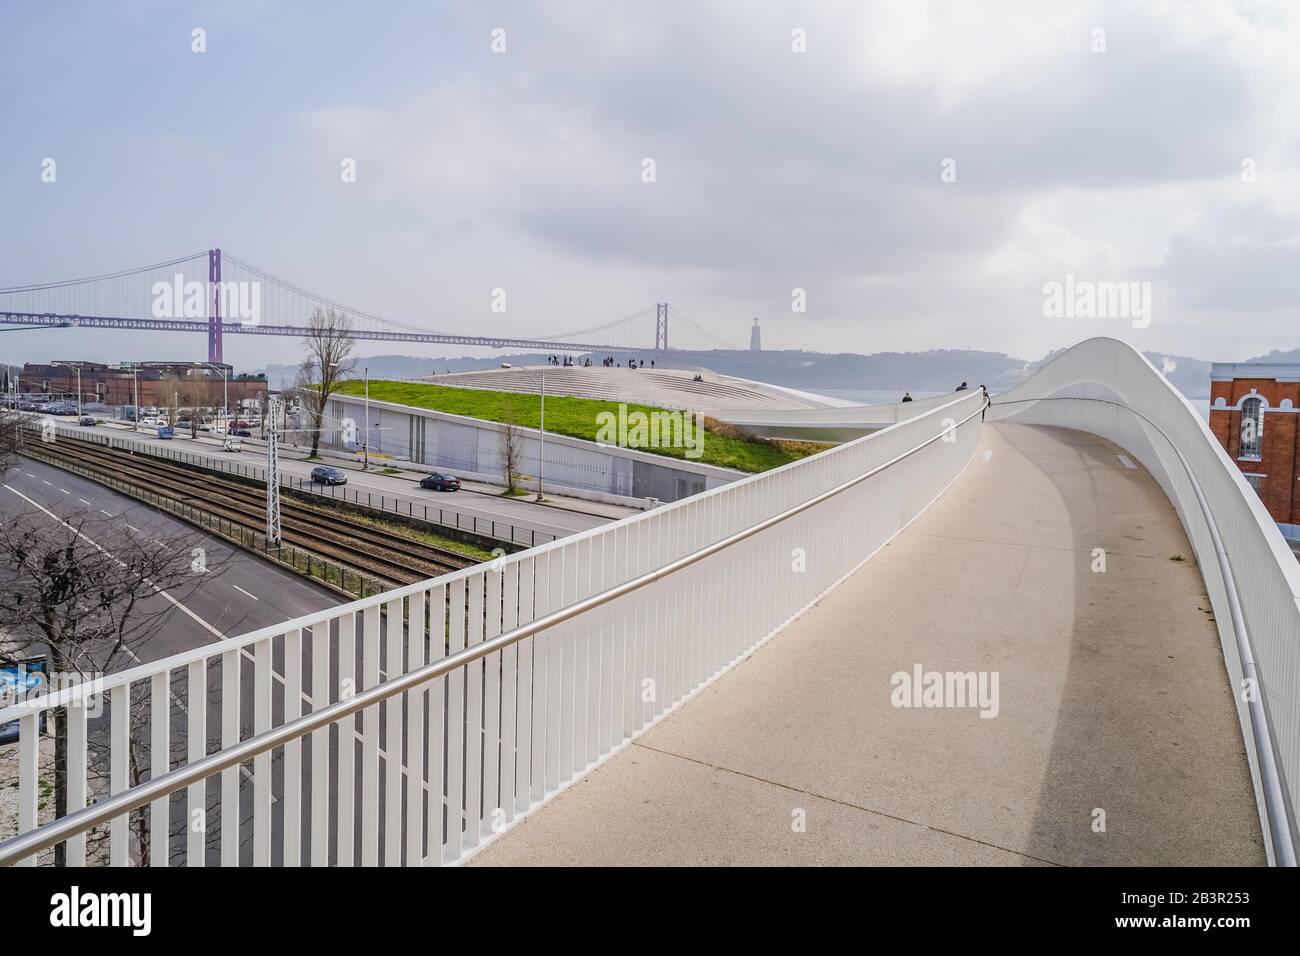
x: 1254, y: 412
x: 159, y: 382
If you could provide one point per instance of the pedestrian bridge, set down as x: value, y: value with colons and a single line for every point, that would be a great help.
x: 1058, y: 630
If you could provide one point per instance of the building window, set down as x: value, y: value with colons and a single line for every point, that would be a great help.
x: 1253, y: 480
x: 1252, y: 428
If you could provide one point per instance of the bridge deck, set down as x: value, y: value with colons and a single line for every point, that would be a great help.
x: 1112, y: 695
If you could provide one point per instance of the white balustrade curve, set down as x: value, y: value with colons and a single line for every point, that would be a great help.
x: 414, y: 726
x: 1108, y: 388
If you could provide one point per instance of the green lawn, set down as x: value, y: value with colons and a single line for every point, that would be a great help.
x: 576, y: 417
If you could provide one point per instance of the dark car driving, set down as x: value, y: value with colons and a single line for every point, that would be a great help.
x: 440, y: 482
x: 325, y: 475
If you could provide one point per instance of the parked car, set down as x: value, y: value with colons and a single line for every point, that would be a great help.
x: 440, y: 482
x: 326, y: 475
x: 241, y: 432
x: 88, y: 420
x: 166, y: 431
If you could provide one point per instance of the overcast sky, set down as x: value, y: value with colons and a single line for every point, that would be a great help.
x: 795, y: 146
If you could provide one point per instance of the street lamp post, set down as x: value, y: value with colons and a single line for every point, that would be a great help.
x: 78, y: 371
x: 134, y: 369
x: 541, y: 439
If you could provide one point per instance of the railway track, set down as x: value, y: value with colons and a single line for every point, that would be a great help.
x: 303, y: 514
x: 380, y: 554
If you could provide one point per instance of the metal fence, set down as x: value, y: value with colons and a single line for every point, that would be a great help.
x: 1106, y: 387
x: 375, y: 501
x: 413, y: 726
x: 336, y: 575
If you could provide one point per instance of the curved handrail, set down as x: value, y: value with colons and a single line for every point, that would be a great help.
x: 80, y: 821
x: 1272, y: 785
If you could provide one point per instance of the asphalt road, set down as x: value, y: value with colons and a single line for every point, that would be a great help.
x: 548, y: 521
x: 239, y: 593
x: 245, y: 592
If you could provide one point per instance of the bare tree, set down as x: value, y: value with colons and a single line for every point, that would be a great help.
x: 169, y: 396
x: 197, y: 394
x: 512, y: 450
x: 328, y: 344
x: 91, y: 595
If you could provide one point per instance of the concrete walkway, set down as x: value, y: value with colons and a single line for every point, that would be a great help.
x: 1112, y: 697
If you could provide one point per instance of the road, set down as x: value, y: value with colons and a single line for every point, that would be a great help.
x: 240, y: 593
x: 245, y: 593
x: 565, y: 517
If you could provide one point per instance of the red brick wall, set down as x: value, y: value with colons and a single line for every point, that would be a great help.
x: 1279, y: 454
x: 119, y: 388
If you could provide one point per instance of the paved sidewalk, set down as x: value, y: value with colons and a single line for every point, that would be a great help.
x: 1112, y: 697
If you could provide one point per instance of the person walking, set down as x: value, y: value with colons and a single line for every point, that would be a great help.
x: 961, y: 387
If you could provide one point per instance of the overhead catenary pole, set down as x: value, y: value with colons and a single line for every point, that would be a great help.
x: 366, y: 446
x: 272, y: 476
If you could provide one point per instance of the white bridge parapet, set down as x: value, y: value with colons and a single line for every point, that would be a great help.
x: 1108, y: 388
x: 427, y: 720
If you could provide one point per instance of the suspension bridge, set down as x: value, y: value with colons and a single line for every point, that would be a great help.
x: 219, y: 294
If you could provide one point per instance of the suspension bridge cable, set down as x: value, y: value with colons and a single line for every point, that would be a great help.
x: 291, y: 287
x: 702, y: 331
x: 99, y: 278
x: 597, y: 328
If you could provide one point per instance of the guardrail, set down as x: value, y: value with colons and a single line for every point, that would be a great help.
x: 1106, y: 387
x: 376, y: 501
x: 414, y: 726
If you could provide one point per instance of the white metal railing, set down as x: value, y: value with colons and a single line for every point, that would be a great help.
x: 1108, y: 388
x: 412, y: 726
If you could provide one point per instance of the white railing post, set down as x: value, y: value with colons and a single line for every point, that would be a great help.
x: 536, y: 667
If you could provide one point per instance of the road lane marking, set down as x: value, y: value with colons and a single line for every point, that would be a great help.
x: 65, y: 491
x: 175, y: 603
x: 134, y: 528
x: 988, y: 455
x: 242, y: 591
x: 83, y: 501
x: 44, y: 482
x: 103, y: 512
x: 1128, y: 462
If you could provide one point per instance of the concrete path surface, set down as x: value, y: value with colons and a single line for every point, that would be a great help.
x: 1112, y: 699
